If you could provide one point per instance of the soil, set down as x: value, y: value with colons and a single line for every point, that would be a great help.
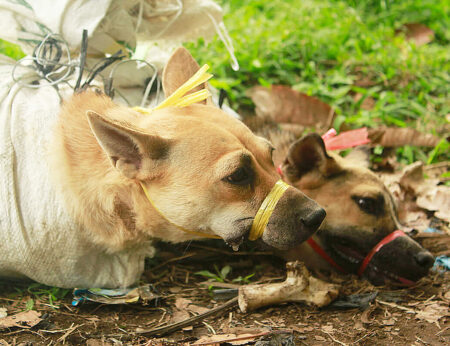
x: 390, y: 319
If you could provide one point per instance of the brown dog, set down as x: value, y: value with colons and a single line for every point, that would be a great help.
x: 206, y: 175
x: 360, y: 212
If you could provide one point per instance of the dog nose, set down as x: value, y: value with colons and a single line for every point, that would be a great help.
x: 424, y: 259
x: 314, y: 219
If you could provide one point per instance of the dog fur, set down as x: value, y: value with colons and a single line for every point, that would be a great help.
x: 360, y: 210
x: 205, y: 171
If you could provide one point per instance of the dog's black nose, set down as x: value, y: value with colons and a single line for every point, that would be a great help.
x: 424, y: 259
x: 314, y: 219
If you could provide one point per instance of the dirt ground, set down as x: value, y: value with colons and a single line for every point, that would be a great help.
x: 412, y: 316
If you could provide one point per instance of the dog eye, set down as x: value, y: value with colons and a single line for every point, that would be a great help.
x: 369, y: 205
x: 242, y: 176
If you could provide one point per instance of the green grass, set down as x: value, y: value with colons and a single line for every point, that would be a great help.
x: 323, y: 48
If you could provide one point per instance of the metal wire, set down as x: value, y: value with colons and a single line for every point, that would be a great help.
x: 45, y: 63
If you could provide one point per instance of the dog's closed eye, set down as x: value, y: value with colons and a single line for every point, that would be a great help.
x: 370, y: 205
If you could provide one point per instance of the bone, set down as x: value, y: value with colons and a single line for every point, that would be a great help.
x: 299, y: 286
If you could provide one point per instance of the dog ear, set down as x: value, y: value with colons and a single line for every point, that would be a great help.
x: 308, y: 154
x: 180, y: 67
x: 133, y: 153
x: 359, y: 156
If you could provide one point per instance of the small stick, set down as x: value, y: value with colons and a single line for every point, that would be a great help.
x: 190, y: 321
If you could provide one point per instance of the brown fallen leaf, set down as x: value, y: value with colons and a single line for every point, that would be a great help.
x: 432, y: 313
x: 399, y: 136
x: 417, y: 32
x: 416, y: 196
x: 179, y: 315
x: 285, y: 105
x: 197, y: 309
x: 97, y: 342
x: 232, y: 339
x: 25, y: 319
x: 182, y: 303
x: 436, y: 199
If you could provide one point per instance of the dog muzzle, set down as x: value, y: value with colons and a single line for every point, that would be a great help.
x: 364, y: 264
x: 265, y: 211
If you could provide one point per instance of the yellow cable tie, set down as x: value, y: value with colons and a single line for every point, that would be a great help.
x: 141, y: 110
x: 265, y: 211
x: 198, y: 78
x: 193, y: 98
x: 200, y: 234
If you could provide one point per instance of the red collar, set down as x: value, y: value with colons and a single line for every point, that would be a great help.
x: 386, y: 240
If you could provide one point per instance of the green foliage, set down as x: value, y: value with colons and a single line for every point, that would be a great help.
x: 221, y: 275
x: 335, y: 49
x: 43, y: 292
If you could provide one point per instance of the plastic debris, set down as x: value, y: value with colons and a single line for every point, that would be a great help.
x: 145, y: 293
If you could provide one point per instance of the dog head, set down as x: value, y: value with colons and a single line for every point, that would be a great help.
x: 204, y: 170
x: 360, y: 213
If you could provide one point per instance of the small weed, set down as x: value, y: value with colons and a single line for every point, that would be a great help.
x: 222, y: 274
x: 46, y: 293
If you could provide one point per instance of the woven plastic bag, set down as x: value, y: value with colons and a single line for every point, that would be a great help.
x: 39, y: 240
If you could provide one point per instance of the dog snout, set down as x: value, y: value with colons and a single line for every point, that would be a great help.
x: 314, y: 219
x: 424, y: 259
x: 295, y: 218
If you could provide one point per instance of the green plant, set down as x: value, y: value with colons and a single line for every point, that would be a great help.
x: 46, y: 293
x: 222, y: 274
x: 335, y: 49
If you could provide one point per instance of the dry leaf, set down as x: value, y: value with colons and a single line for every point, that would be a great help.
x: 328, y: 328
x: 319, y: 338
x: 26, y: 319
x: 417, y: 32
x: 436, y: 199
x: 285, y: 105
x: 197, y: 309
x: 3, y: 312
x: 182, y: 303
x: 415, y: 196
x: 179, y: 315
x: 398, y: 136
x: 433, y: 313
x: 97, y: 342
x: 218, y: 339
x: 389, y: 322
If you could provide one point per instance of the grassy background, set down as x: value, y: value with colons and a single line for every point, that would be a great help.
x: 326, y: 48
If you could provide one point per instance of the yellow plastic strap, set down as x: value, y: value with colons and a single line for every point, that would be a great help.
x: 179, y: 97
x: 265, y: 211
x: 201, y: 234
x: 198, y: 78
x: 141, y: 110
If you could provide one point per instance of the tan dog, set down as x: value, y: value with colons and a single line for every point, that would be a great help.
x: 360, y: 211
x: 205, y: 172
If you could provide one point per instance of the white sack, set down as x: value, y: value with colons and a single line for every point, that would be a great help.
x: 38, y: 238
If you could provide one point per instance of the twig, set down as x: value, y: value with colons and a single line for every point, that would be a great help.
x: 190, y: 321
x: 393, y: 305
x: 335, y: 340
x: 70, y: 331
x: 443, y: 330
x: 363, y: 337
